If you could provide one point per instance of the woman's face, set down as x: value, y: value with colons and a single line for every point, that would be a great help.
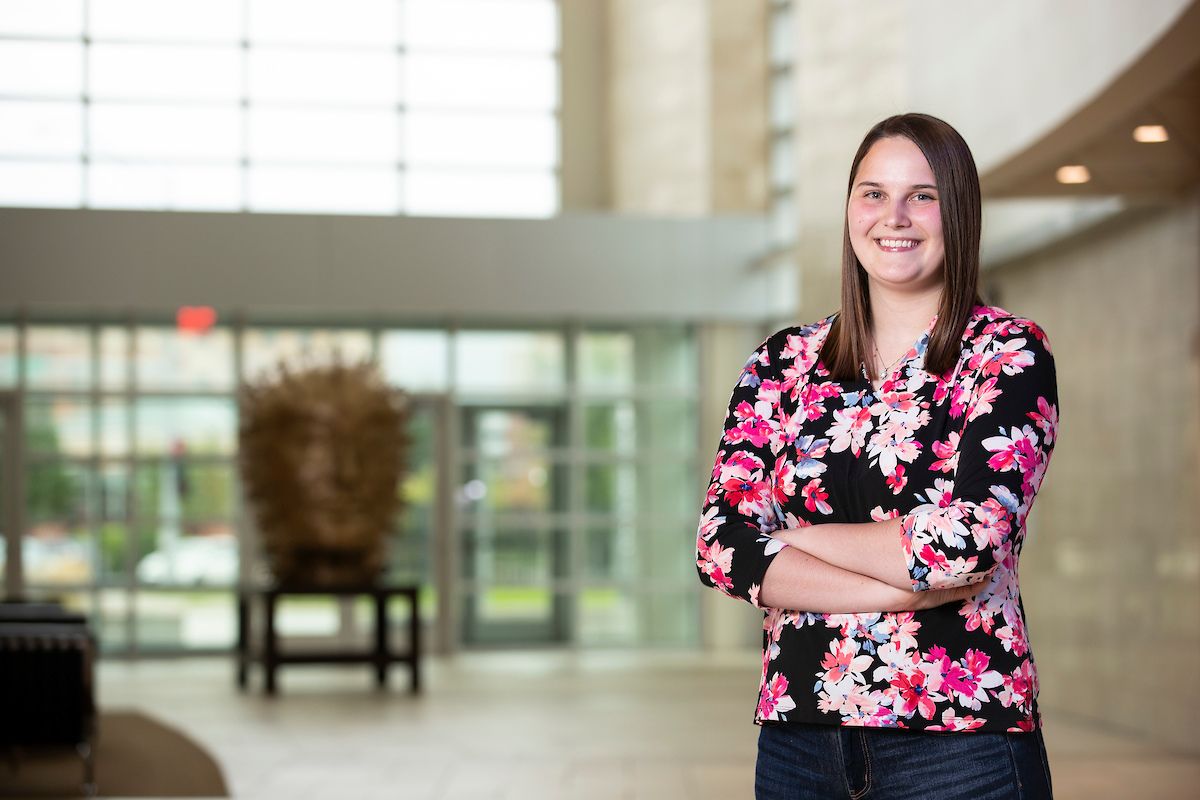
x: 895, y: 219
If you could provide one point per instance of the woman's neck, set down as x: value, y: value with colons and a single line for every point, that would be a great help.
x: 898, y: 319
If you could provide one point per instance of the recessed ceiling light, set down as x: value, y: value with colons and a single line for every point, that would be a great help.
x: 1150, y: 133
x: 1073, y: 173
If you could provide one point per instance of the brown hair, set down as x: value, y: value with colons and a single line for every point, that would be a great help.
x: 848, y: 343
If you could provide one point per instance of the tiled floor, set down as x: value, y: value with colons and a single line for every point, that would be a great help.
x: 535, y: 725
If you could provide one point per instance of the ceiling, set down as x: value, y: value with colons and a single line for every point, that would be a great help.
x: 1161, y: 88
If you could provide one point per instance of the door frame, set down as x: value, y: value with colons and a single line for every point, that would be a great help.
x: 557, y: 626
x: 11, y: 492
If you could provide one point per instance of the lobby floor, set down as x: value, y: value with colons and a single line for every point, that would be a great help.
x: 548, y: 724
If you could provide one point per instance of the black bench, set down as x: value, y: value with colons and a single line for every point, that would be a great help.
x: 47, y: 690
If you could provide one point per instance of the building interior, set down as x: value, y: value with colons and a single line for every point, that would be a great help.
x: 557, y: 228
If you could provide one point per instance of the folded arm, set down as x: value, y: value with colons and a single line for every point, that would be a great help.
x: 871, y: 549
x: 798, y: 580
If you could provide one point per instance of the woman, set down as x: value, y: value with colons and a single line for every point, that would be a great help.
x: 870, y: 494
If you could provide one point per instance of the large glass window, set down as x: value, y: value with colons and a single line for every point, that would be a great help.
x: 782, y: 123
x: 446, y: 107
x: 552, y: 475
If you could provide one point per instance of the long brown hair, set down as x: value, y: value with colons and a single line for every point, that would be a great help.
x: 848, y: 343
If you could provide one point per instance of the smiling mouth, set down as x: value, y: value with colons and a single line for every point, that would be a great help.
x: 897, y: 245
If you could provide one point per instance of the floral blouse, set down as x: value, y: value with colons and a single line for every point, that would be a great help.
x: 958, y: 457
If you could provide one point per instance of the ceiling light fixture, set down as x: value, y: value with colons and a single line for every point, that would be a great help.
x: 1150, y: 133
x: 1073, y: 173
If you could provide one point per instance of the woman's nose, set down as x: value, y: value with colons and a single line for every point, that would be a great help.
x: 897, y: 215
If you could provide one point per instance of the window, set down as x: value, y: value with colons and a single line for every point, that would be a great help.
x: 573, y: 473
x: 434, y: 107
x: 782, y: 110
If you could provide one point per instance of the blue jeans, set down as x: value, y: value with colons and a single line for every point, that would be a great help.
x: 801, y: 761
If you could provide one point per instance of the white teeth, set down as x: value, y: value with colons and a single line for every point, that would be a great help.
x: 898, y: 242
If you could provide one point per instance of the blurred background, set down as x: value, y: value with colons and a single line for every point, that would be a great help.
x: 560, y: 227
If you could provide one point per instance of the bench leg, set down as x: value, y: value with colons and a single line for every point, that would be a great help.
x: 414, y: 625
x: 381, y: 640
x: 269, y: 662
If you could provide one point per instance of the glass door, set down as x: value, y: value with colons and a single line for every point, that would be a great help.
x: 512, y: 504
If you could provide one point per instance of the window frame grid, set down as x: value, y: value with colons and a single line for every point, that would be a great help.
x: 400, y: 167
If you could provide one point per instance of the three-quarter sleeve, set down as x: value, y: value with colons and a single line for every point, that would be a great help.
x: 733, y: 549
x: 973, y: 520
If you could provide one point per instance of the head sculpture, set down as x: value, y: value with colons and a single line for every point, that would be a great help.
x: 322, y: 451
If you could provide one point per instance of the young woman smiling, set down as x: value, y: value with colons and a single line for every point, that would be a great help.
x: 870, y: 493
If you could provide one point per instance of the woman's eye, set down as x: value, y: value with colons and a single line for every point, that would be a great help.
x: 923, y: 197
x: 873, y: 195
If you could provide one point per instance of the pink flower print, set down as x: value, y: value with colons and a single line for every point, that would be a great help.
x: 911, y: 695
x: 709, y: 523
x: 950, y: 722
x: 813, y: 396
x: 892, y: 443
x: 866, y: 629
x: 743, y: 484
x: 715, y: 561
x: 1046, y: 418
x: 814, y: 497
x: 1018, y: 449
x: 850, y: 428
x: 902, y: 628
x: 897, y: 401
x: 773, y: 699
x: 787, y: 428
x: 1004, y: 327
x: 993, y: 526
x: 896, y: 480
x: 879, y: 515
x: 1007, y: 357
x: 934, y: 559
x: 843, y: 659
x: 982, y: 401
x: 967, y: 679
x: 784, y: 485
x: 769, y: 391
x: 795, y: 347
x: 849, y: 699
x: 1018, y: 686
x: 947, y: 453
x: 1013, y: 637
x: 753, y: 424
x: 959, y: 395
x: 897, y: 657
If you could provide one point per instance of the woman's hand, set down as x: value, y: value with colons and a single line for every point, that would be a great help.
x: 932, y: 598
x: 904, y: 600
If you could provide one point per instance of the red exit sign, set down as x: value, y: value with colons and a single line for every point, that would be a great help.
x: 195, y: 319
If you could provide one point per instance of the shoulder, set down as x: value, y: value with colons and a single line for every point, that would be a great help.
x: 786, y: 342
x: 999, y: 343
x: 992, y: 325
x: 794, y: 347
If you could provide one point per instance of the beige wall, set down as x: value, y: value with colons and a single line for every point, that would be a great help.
x: 687, y: 118
x: 585, y: 179
x: 738, y: 106
x: 1111, y: 572
x: 849, y: 73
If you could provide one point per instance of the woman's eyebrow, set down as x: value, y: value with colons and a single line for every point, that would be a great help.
x: 880, y: 185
